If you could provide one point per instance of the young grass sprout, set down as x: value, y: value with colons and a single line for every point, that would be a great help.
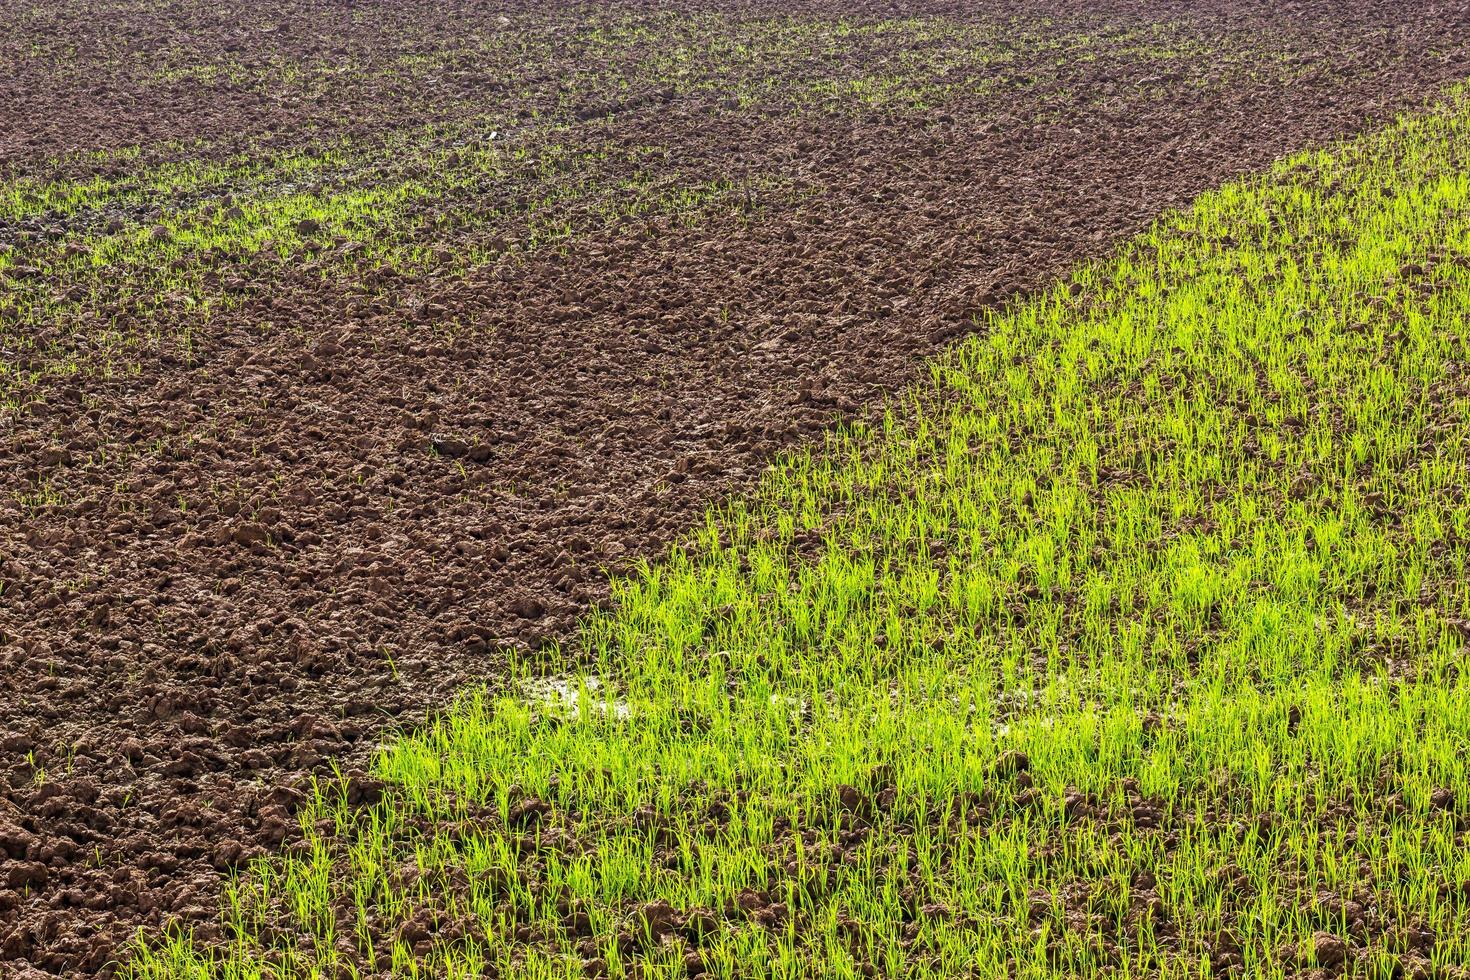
x: 1129, y: 644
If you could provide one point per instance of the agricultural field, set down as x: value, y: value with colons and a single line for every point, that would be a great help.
x: 734, y: 490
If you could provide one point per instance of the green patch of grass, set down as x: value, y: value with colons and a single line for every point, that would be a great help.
x: 448, y: 201
x: 1129, y: 645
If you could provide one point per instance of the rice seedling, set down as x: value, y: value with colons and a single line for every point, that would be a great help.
x: 1128, y: 644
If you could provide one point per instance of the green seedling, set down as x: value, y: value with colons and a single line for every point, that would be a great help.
x: 1128, y: 644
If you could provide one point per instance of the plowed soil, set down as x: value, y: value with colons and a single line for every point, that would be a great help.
x: 333, y: 509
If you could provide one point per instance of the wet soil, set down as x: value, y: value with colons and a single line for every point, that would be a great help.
x: 345, y: 501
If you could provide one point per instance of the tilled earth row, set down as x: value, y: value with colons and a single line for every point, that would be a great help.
x: 342, y: 501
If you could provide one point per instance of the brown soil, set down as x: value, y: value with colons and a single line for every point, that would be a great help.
x: 262, y: 556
